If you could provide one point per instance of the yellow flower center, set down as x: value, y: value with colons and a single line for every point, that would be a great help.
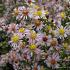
x: 16, y: 11
x: 21, y: 30
x: 32, y: 46
x: 39, y: 13
x: 49, y: 27
x: 61, y: 31
x: 65, y: 45
x: 15, y: 38
x: 62, y: 14
x: 33, y: 34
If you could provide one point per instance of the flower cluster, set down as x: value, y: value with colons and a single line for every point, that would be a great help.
x: 40, y: 35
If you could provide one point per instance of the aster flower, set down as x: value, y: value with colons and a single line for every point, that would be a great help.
x: 62, y: 32
x: 14, y: 41
x: 37, y: 25
x: 33, y: 49
x: 52, y: 60
x: 34, y: 37
x: 21, y: 12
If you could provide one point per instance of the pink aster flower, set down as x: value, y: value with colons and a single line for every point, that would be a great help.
x: 52, y: 60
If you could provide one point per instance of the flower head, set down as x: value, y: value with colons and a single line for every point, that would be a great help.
x: 15, y: 38
x: 25, y: 12
x: 32, y: 46
x: 16, y: 12
x: 61, y: 31
x: 39, y: 13
x: 33, y: 35
x: 62, y: 14
x: 21, y: 30
x: 37, y: 22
